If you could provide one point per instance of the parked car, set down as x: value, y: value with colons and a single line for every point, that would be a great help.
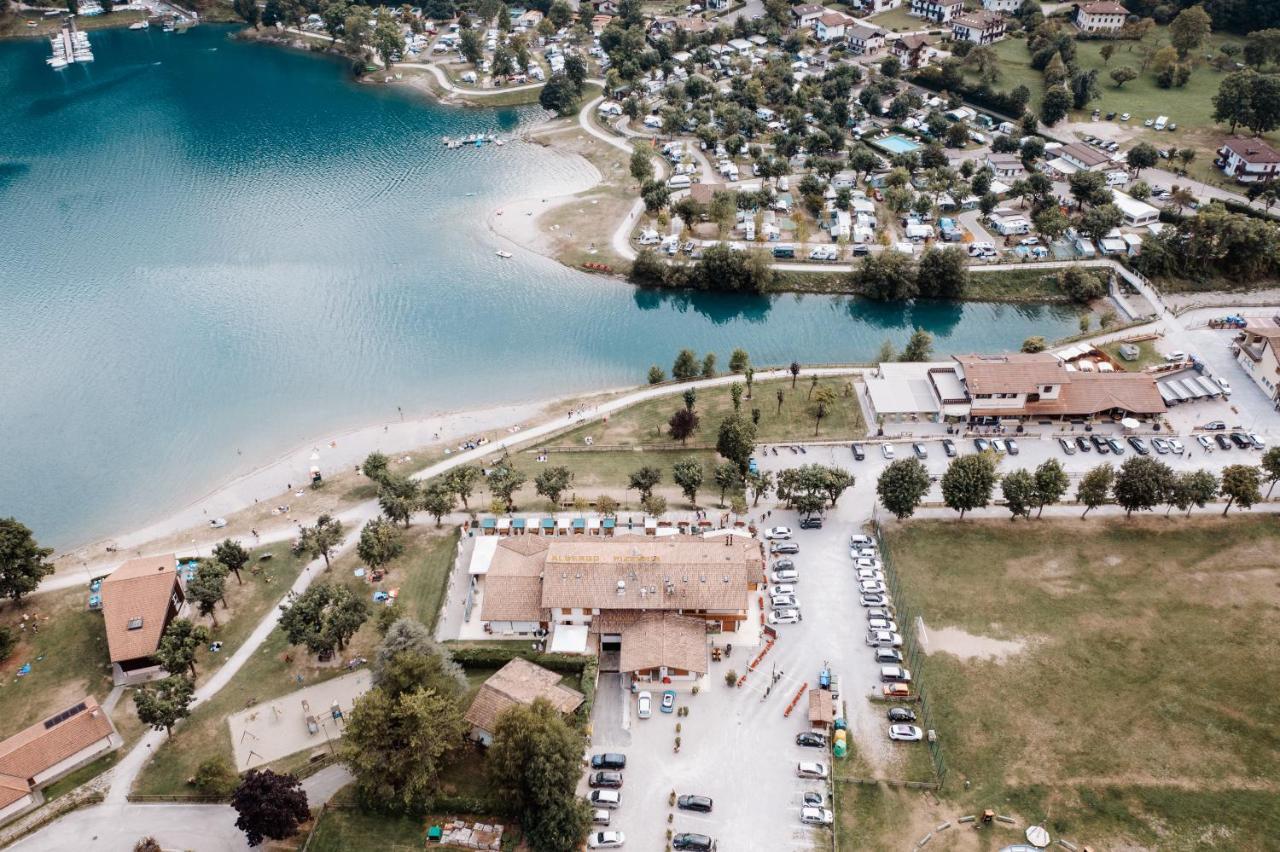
x: 920, y: 450
x: 1176, y: 446
x: 896, y: 690
x: 1012, y: 446
x: 1241, y: 440
x: 668, y: 701
x: 886, y: 450
x: 1082, y: 444
x: 858, y: 452
x: 693, y: 842
x: 884, y: 639
x: 1205, y: 441
x: 785, y: 547
x: 811, y: 523
x: 875, y: 600
x: 644, y: 702
x: 777, y: 533
x: 816, y: 816
x: 610, y: 799
x: 701, y: 804
x: 811, y: 799
x: 811, y: 739
x: 600, y: 816
x: 1100, y: 444
x: 785, y: 575
x: 783, y: 564
x: 949, y: 448
x: 1176, y: 356
x: 1160, y: 445
x: 784, y: 616
x: 905, y: 733
x: 784, y: 602
x: 609, y: 760
x: 890, y: 674
x: 781, y: 589
x: 217, y: 523
x: 1224, y: 384
x: 1258, y: 442
x: 1215, y: 426
x: 879, y: 612
x: 609, y: 778
x: 882, y: 624
x: 1139, y: 446
x: 997, y: 445
x: 606, y: 839
x: 1067, y: 445
x: 811, y: 770
x: 1116, y: 446
x: 858, y: 540
x: 887, y: 655
x: 870, y: 574
x: 1223, y: 442
x: 901, y: 714
x: 871, y: 587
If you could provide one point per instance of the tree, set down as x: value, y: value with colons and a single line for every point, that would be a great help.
x: 1084, y: 88
x: 709, y: 366
x: 968, y: 482
x: 269, y: 806
x: 644, y: 480
x: 682, y: 424
x: 1051, y: 483
x: 323, y: 617
x: 233, y: 555
x: 534, y: 764
x: 1142, y: 156
x: 1019, y: 490
x: 504, y: 481
x: 885, y: 277
x: 1055, y: 105
x: 1095, y: 487
x: 1141, y: 483
x: 1271, y: 467
x: 758, y: 484
x: 249, y: 11
x: 332, y: 13
x: 822, y: 406
x: 1034, y: 344
x: 1089, y: 188
x: 23, y: 562
x: 559, y: 94
x: 685, y: 366
x: 408, y: 658
x: 438, y: 500
x: 552, y: 482
x: 943, y: 273
x: 780, y: 395
x: 1122, y: 75
x: 739, y: 361
x: 919, y: 347
x: 1189, y: 30
x: 1106, y: 52
x: 471, y: 46
x: 1051, y: 223
x: 688, y: 475
x: 163, y: 703
x: 726, y: 477
x: 399, y: 497
x: 1197, y: 488
x: 795, y: 373
x: 1233, y: 103
x: 380, y: 543
x: 736, y: 441
x: 656, y: 375
x: 641, y: 165
x: 355, y: 30
x: 207, y: 587
x: 215, y: 777
x: 396, y: 745
x: 376, y: 467
x: 654, y: 504
x: 1241, y: 486
x: 178, y: 646
x: 560, y: 14
x: 1082, y: 285
x: 690, y: 398
x: 901, y: 487
x: 388, y: 40
x: 1098, y: 221
x: 462, y: 481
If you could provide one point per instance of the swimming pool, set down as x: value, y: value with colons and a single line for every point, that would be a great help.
x: 896, y: 144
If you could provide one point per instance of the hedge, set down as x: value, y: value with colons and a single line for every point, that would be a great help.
x: 499, y: 657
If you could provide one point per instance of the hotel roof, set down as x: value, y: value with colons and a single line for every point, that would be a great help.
x: 47, y: 743
x: 135, y: 600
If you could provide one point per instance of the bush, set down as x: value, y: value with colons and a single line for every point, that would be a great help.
x: 1082, y: 285
x: 7, y: 643
x: 730, y: 678
x: 216, y: 777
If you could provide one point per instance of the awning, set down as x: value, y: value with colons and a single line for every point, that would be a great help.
x: 517, y: 523
x: 609, y: 523
x: 488, y: 523
x: 548, y: 523
x: 579, y: 523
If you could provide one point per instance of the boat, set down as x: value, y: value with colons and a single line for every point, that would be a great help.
x: 504, y: 254
x: 139, y: 25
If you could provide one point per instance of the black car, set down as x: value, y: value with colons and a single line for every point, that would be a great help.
x: 901, y: 714
x: 1116, y: 446
x: 610, y: 779
x: 694, y: 842
x: 1100, y: 444
x: 811, y: 523
x: 608, y: 761
x: 858, y: 453
x: 811, y: 799
x: 1241, y: 440
x: 1082, y: 444
x: 949, y: 448
x: 1139, y: 446
x: 810, y: 739
x: 1223, y: 441
x: 701, y: 804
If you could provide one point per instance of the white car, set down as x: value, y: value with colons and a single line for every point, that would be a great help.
x: 1174, y: 357
x: 777, y: 533
x: 784, y: 616
x: 866, y: 552
x: 606, y: 839
x: 886, y: 450
x: 218, y: 523
x: 1176, y: 446
x: 644, y: 705
x: 816, y: 816
x: 870, y: 587
x: 784, y: 602
x: 866, y: 562
x: 1224, y: 384
x: 905, y: 733
x: 781, y: 590
x: 882, y: 624
x: 811, y: 770
x: 870, y: 574
x: 860, y: 541
x: 895, y: 673
x: 884, y: 639
x: 785, y: 575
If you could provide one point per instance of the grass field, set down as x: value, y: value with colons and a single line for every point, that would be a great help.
x: 1140, y: 712
x: 1147, y: 355
x: 421, y: 575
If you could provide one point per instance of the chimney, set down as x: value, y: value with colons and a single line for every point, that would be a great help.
x: 622, y: 588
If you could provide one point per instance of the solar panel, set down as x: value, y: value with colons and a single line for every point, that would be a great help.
x: 53, y: 721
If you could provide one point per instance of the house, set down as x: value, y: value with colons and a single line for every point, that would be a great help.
x: 1137, y: 213
x: 139, y: 600
x: 647, y: 600
x: 1084, y: 157
x: 50, y: 749
x: 1259, y: 354
x: 717, y: 5
x: 978, y: 27
x: 518, y: 682
x: 1248, y: 160
x: 913, y: 51
x: 875, y: 7
x: 832, y: 26
x: 822, y: 711
x: 938, y: 11
x: 806, y: 15
x: 899, y: 391
x: 740, y: 46
x: 1104, y: 16
x: 1041, y: 386
x: 1009, y: 6
x: 865, y: 39
x: 663, y: 26
x: 1006, y: 167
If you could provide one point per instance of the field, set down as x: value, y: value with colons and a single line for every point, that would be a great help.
x: 1147, y: 355
x: 421, y: 575
x: 1140, y: 710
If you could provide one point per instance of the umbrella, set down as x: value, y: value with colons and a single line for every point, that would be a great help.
x: 1037, y: 836
x: 1130, y: 423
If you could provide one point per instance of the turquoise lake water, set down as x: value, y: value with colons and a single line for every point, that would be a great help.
x: 211, y: 246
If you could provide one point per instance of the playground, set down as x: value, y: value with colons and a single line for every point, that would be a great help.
x: 309, y: 718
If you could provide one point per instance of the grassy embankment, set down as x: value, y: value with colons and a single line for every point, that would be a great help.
x: 1004, y: 285
x: 421, y: 575
x: 1141, y: 710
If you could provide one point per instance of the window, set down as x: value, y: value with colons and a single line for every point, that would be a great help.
x: 135, y: 623
x: 1047, y: 389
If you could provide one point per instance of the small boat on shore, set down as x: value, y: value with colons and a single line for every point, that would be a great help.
x: 140, y: 25
x: 504, y: 254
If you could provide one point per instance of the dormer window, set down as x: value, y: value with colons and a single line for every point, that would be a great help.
x: 135, y: 623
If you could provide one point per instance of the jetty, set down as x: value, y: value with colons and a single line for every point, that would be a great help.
x: 69, y: 45
x: 477, y: 140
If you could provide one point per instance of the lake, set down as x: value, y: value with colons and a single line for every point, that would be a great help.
x: 215, y: 251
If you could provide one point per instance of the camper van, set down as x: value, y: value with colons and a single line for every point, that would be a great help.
x: 1161, y: 121
x: 679, y: 182
x: 784, y: 251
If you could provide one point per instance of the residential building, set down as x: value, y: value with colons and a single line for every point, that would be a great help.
x: 938, y: 11
x: 139, y: 600
x: 832, y: 26
x: 1248, y: 160
x: 806, y: 15
x: 664, y: 26
x: 874, y: 7
x: 978, y: 27
x: 519, y: 682
x: 1137, y: 214
x: 41, y: 754
x: 865, y: 39
x: 717, y: 5
x: 1084, y: 157
x: 913, y: 51
x: 1008, y: 6
x: 1104, y: 16
x: 1006, y: 167
x: 647, y: 601
x: 1259, y: 355
x: 1042, y: 386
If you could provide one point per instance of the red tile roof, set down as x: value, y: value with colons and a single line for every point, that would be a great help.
x: 45, y: 744
x: 138, y: 589
x: 1252, y: 150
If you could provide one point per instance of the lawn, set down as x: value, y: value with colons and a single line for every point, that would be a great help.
x: 1140, y: 710
x: 899, y: 20
x: 598, y: 473
x: 421, y: 575
x: 1147, y: 355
